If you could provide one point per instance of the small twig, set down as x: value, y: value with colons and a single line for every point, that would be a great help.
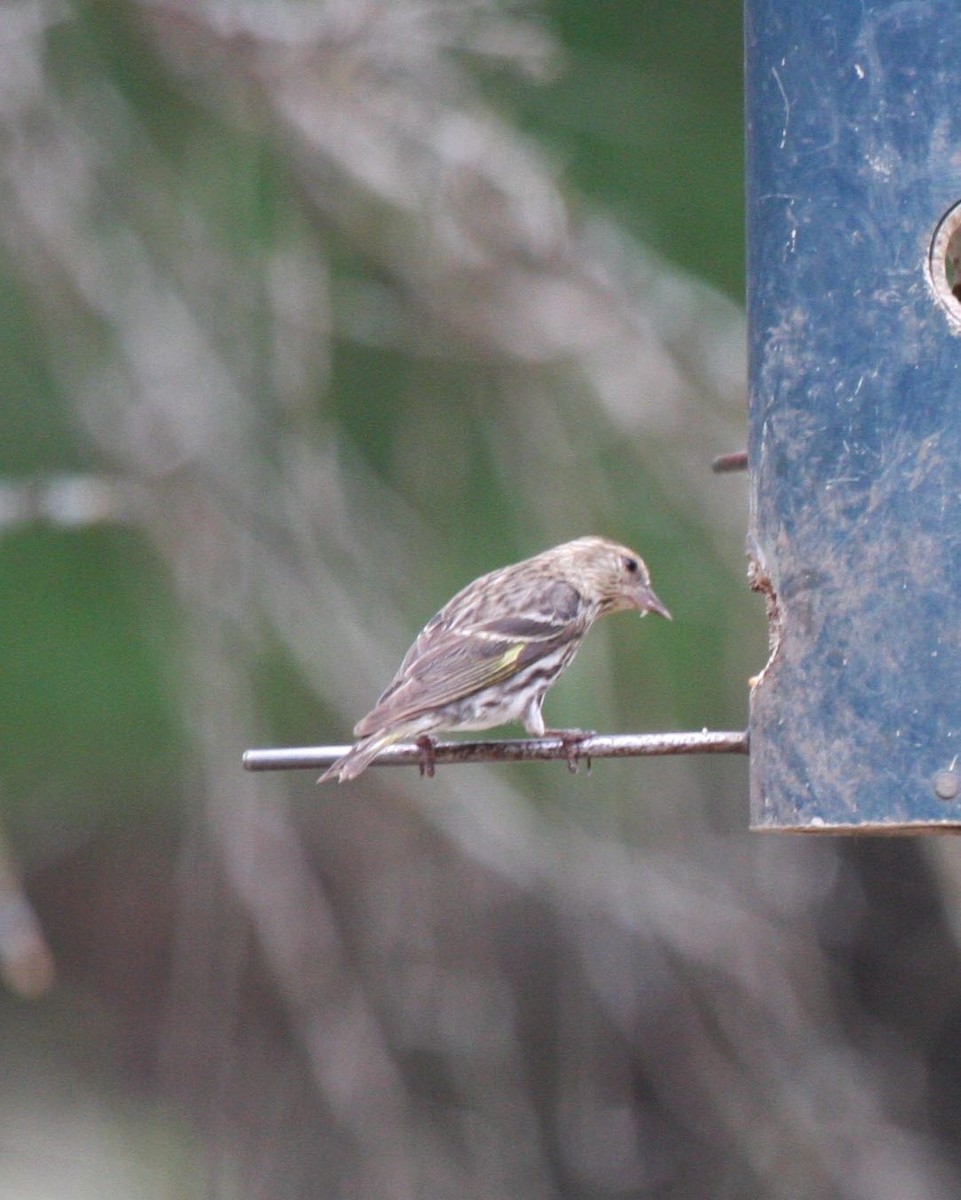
x: 598, y: 745
x: 736, y: 460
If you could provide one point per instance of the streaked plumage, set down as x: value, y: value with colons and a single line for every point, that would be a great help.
x: 490, y: 654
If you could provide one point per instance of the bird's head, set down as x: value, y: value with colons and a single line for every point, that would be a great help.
x: 610, y: 576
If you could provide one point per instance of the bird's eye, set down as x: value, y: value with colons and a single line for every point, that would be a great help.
x: 630, y: 565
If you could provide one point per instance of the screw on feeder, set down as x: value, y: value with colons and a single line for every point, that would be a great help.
x: 946, y: 784
x: 735, y: 460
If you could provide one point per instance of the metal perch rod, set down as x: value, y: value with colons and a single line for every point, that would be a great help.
x: 597, y: 745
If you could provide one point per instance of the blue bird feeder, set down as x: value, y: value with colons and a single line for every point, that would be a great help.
x: 854, y: 268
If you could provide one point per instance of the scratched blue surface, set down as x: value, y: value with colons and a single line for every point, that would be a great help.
x: 854, y: 155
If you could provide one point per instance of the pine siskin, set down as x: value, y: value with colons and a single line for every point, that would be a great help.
x: 490, y: 654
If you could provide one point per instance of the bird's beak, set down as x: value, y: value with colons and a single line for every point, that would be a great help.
x: 648, y: 602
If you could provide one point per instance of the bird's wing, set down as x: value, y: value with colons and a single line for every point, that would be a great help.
x: 447, y: 663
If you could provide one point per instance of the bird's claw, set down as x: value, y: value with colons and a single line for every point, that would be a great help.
x: 426, y: 746
x: 571, y: 740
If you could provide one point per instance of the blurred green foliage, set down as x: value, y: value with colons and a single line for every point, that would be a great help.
x: 646, y: 118
x: 89, y: 693
x: 643, y: 119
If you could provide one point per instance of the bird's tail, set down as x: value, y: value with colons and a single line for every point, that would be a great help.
x: 359, y: 757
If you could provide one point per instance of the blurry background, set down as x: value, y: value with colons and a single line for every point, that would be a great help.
x: 310, y: 314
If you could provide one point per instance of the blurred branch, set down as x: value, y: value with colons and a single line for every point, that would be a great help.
x: 69, y: 501
x: 26, y: 963
x: 597, y: 745
x: 340, y: 1031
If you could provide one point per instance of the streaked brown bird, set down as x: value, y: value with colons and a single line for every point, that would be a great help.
x: 490, y: 654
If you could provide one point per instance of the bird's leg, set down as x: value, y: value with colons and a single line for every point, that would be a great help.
x: 571, y: 739
x: 426, y: 744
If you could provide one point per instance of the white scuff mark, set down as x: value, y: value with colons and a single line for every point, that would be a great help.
x: 787, y: 106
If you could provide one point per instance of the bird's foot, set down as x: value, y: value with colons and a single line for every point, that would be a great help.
x: 426, y: 745
x: 571, y: 740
